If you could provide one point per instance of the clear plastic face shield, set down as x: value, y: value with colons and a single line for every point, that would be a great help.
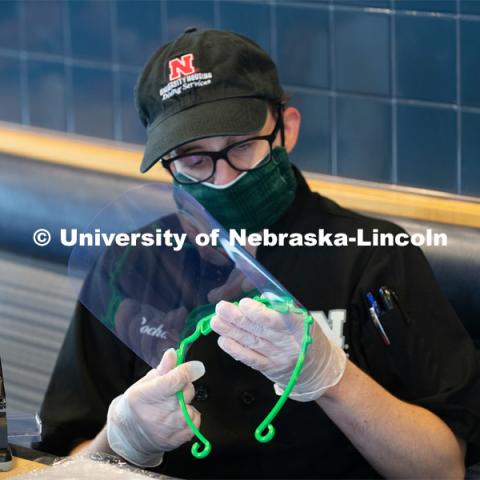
x: 152, y: 266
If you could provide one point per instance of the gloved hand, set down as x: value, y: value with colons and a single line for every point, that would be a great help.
x: 146, y: 420
x: 270, y: 342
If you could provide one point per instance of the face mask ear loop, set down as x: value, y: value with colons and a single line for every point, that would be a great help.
x: 281, y: 108
x: 282, y: 126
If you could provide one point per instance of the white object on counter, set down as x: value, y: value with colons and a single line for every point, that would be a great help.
x: 96, y: 467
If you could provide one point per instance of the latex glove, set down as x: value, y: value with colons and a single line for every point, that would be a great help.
x: 146, y: 420
x: 270, y: 342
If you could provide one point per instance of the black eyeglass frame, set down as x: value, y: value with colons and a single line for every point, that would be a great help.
x: 223, y: 154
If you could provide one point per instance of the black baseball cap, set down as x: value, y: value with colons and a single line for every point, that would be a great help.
x: 205, y: 83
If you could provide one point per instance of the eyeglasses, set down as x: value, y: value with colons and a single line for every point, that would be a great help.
x: 250, y: 154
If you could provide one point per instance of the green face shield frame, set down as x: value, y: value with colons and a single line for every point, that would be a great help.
x: 265, y: 431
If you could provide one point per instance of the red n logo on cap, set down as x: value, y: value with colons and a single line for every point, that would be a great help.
x: 181, y: 66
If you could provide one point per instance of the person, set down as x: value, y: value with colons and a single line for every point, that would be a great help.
x: 217, y: 120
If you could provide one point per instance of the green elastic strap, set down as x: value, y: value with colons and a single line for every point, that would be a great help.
x: 265, y: 431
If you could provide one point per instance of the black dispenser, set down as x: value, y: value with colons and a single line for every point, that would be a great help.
x: 5, y: 452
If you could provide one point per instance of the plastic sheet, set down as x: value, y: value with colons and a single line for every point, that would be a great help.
x: 95, y: 467
x: 24, y: 428
x: 152, y: 296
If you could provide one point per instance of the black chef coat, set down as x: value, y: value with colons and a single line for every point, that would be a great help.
x: 431, y: 361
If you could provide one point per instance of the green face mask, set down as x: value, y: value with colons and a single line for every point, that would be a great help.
x: 256, y: 199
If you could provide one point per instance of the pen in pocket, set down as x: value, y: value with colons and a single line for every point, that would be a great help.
x: 375, y: 311
x: 390, y: 301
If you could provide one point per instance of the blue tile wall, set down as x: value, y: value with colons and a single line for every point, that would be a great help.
x: 364, y: 145
x: 426, y: 146
x: 9, y: 25
x: 303, y: 46
x: 426, y: 58
x: 91, y: 40
x: 234, y: 14
x: 139, y: 28
x: 187, y: 13
x: 46, y: 94
x: 437, y: 6
x: 470, y: 7
x: 93, y: 101
x: 313, y: 150
x: 470, y: 73
x: 364, y: 3
x: 131, y: 127
x: 470, y: 149
x: 44, y: 26
x: 388, y: 89
x: 362, y: 45
x: 10, y: 94
x: 312, y: 2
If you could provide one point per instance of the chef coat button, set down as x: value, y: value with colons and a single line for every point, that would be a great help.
x: 190, y: 30
x: 201, y: 393
x: 247, y: 398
